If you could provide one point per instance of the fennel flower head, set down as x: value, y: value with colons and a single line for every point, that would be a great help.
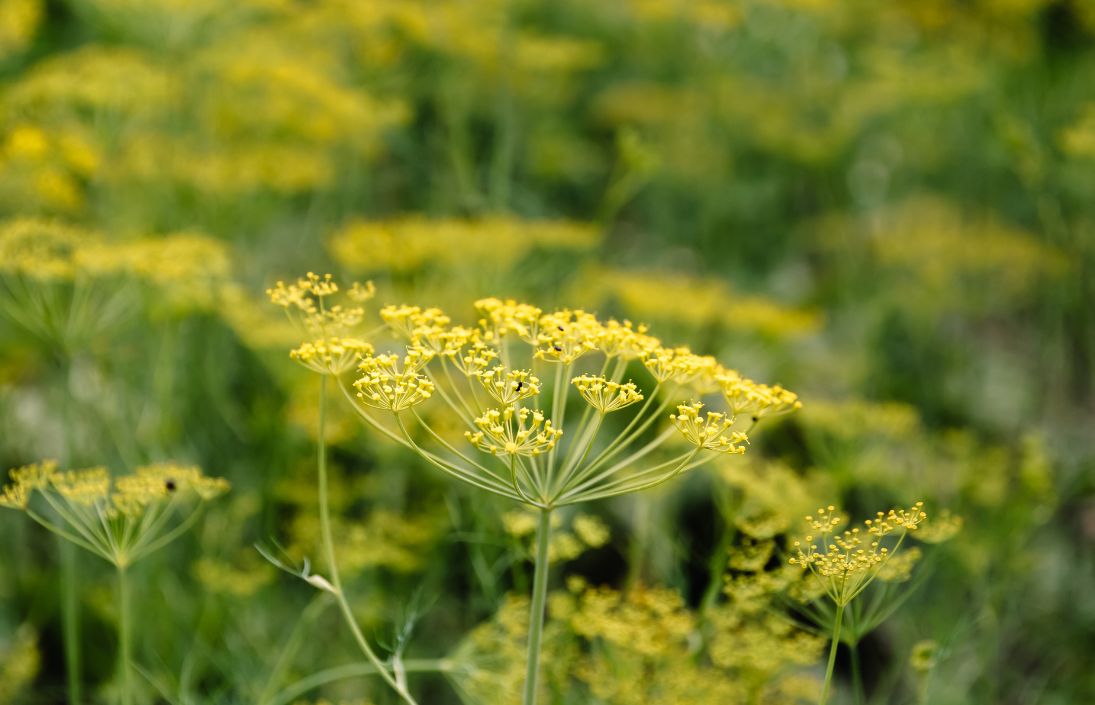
x: 121, y: 519
x: 550, y: 413
x: 845, y: 563
x: 312, y: 304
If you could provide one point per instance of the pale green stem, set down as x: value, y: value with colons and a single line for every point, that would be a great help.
x: 636, y: 484
x: 588, y: 476
x: 352, y: 670
x: 329, y: 550
x: 449, y: 447
x: 292, y: 645
x: 558, y: 408
x: 832, y: 654
x: 485, y: 483
x: 169, y: 536
x: 625, y: 438
x: 73, y: 520
x: 368, y: 419
x: 456, y: 390
x: 539, y: 601
x: 516, y: 482
x: 461, y: 413
x: 67, y: 535
x: 570, y: 458
x: 573, y: 460
x: 70, y: 620
x: 125, y: 656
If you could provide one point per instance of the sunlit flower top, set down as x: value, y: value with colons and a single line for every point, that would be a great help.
x: 511, y: 380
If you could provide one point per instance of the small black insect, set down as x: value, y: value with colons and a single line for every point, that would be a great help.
x: 556, y: 348
x: 756, y: 418
x: 520, y: 385
x: 561, y: 329
x: 170, y: 485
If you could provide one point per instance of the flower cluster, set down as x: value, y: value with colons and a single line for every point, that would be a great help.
x: 513, y: 431
x: 121, y: 519
x: 712, y: 432
x: 335, y: 348
x: 605, y: 395
x: 388, y: 383
x: 846, y: 563
x: 507, y: 380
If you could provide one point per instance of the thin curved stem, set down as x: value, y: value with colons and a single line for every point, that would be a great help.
x: 536, y: 609
x: 558, y: 410
x: 292, y: 692
x: 516, y: 482
x: 456, y: 391
x: 329, y: 550
x: 368, y: 419
x: 583, y: 481
x: 167, y: 538
x: 630, y: 425
x: 66, y: 535
x: 292, y: 644
x: 448, y: 446
x: 574, y: 458
x: 622, y: 487
x: 488, y: 484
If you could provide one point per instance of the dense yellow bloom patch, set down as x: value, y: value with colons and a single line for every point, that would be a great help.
x: 415, y: 242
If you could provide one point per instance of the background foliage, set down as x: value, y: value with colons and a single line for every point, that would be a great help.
x: 885, y: 206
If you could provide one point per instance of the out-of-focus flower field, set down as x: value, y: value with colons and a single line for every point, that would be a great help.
x: 887, y: 207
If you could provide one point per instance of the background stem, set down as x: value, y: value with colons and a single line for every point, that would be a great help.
x: 536, y: 610
x: 832, y: 654
x: 70, y: 620
x: 124, y: 646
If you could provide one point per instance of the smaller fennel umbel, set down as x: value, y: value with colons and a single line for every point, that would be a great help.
x: 120, y: 519
x: 845, y: 564
x: 510, y: 380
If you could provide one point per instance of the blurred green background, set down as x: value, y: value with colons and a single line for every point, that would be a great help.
x: 888, y: 207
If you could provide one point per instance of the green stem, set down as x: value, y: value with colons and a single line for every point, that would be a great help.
x: 536, y: 611
x: 641, y: 533
x: 292, y: 645
x: 124, y: 646
x: 70, y: 620
x: 329, y: 551
x: 717, y: 567
x: 857, y: 677
x: 354, y: 670
x: 832, y: 654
